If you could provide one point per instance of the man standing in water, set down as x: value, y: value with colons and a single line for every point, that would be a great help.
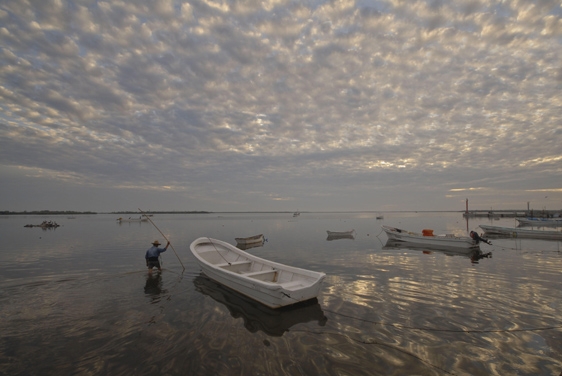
x: 152, y: 254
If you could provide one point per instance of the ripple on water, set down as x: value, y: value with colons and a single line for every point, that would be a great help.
x: 380, y: 311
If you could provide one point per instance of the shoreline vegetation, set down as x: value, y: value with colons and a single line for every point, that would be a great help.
x: 67, y: 212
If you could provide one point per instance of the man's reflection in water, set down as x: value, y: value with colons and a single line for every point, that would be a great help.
x: 153, y: 286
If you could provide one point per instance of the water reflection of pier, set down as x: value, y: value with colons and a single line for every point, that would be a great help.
x: 256, y: 316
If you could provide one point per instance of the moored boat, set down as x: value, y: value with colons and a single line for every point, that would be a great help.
x: 250, y: 240
x: 427, y: 238
x: 538, y: 222
x: 516, y: 232
x: 270, y: 283
x: 45, y: 224
x: 336, y: 235
x: 140, y: 219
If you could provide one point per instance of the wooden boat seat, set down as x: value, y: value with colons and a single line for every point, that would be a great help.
x: 242, y: 262
x: 251, y: 274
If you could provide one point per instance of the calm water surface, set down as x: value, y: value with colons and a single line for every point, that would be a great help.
x: 78, y: 300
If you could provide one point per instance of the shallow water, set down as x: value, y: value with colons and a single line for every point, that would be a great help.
x: 78, y: 300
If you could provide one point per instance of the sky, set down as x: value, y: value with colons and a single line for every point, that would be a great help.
x: 275, y: 105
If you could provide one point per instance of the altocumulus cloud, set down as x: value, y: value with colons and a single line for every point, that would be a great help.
x: 279, y: 105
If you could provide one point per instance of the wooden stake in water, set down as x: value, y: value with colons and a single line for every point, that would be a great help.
x: 164, y: 238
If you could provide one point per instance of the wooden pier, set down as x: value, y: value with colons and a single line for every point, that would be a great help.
x: 512, y: 213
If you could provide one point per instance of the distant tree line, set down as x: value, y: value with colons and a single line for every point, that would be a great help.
x: 45, y: 212
x: 69, y: 212
x: 161, y: 212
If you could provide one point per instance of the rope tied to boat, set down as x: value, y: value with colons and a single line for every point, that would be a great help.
x: 220, y: 254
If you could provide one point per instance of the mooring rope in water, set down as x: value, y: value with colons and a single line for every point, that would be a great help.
x: 373, y: 342
x: 502, y: 248
x: 220, y: 254
x: 400, y: 326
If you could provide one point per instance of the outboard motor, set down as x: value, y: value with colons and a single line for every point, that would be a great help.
x: 474, y: 235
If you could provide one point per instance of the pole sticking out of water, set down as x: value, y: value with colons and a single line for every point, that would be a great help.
x: 164, y: 238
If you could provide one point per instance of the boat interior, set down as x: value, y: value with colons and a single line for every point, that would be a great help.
x: 236, y: 263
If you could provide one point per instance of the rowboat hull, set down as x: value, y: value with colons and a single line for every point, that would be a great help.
x: 336, y: 235
x: 448, y: 240
x: 341, y: 233
x: 513, y: 232
x: 250, y: 240
x: 272, y: 284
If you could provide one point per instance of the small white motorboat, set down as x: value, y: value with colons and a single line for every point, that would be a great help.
x: 538, y: 222
x: 516, y: 232
x: 270, y: 283
x: 427, y: 238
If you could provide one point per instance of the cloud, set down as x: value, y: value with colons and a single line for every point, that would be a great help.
x: 305, y: 101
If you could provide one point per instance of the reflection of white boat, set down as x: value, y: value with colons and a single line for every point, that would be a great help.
x: 335, y: 235
x: 515, y: 232
x: 274, y: 322
x: 341, y: 233
x: 250, y: 240
x: 474, y: 254
x: 427, y: 238
x: 140, y: 219
x: 538, y: 222
x: 272, y: 284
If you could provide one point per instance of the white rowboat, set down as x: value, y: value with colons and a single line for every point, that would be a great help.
x: 448, y: 240
x: 272, y: 284
x: 516, y: 232
x: 250, y: 240
x: 341, y: 233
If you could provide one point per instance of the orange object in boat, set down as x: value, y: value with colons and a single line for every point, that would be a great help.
x: 427, y: 232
